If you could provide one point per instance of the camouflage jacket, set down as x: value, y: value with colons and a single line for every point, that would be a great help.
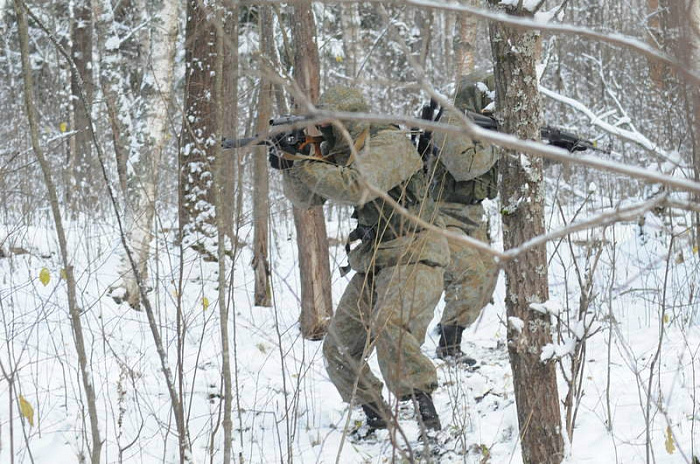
x: 465, y: 170
x: 389, y: 162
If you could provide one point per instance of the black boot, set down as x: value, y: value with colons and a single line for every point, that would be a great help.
x: 376, y: 415
x: 428, y: 415
x: 450, y: 345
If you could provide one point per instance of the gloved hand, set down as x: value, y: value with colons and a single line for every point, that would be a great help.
x: 277, y: 162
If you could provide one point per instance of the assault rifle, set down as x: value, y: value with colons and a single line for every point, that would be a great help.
x: 551, y: 135
x: 292, y: 141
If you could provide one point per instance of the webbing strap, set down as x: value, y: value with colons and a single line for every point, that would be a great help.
x: 358, y: 145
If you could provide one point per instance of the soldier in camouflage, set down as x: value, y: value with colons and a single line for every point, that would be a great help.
x: 398, y: 265
x: 464, y: 173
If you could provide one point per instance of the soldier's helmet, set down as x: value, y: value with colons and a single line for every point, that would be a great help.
x: 346, y: 99
x: 342, y: 98
x: 475, y: 91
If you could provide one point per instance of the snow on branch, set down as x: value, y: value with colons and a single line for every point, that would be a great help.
x: 548, y: 307
x: 513, y: 143
x: 632, y: 136
x: 692, y: 76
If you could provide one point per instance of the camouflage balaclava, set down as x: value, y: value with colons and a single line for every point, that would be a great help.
x: 347, y: 99
x: 474, y: 91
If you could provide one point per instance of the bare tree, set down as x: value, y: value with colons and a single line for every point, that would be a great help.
x: 522, y: 196
x: 198, y: 136
x: 113, y: 80
x: 465, y: 42
x: 350, y: 20
x: 222, y: 226
x: 158, y: 61
x: 139, y: 141
x: 81, y: 164
x: 312, y: 239
x: 693, y: 33
x: 73, y: 309
x: 261, y: 202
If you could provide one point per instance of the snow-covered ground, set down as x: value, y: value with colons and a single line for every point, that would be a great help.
x: 286, y: 408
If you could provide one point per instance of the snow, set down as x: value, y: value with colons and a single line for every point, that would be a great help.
x: 289, y: 410
x: 528, y: 5
x: 112, y: 43
x: 557, y: 350
x: 550, y: 306
x: 516, y: 323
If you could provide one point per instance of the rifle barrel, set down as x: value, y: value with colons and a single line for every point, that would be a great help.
x: 239, y: 143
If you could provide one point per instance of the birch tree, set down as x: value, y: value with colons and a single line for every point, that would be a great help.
x: 66, y: 258
x: 522, y: 196
x: 152, y: 134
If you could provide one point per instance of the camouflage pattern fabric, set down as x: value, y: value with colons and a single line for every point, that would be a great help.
x: 389, y: 310
x: 470, y: 278
x: 463, y: 175
x: 390, y: 301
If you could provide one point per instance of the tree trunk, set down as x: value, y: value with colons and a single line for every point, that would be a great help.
x: 465, y: 42
x: 261, y: 204
x: 199, y: 127
x: 222, y: 225
x: 112, y: 82
x: 158, y: 61
x: 229, y: 97
x: 522, y: 194
x: 312, y: 240
x: 423, y: 20
x: 693, y: 32
x: 81, y: 164
x: 350, y: 22
x: 655, y: 39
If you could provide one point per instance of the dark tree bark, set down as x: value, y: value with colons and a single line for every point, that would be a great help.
x: 522, y: 194
x: 312, y: 239
x: 199, y: 125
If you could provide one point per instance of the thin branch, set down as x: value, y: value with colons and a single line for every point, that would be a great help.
x: 693, y: 77
x: 497, y: 138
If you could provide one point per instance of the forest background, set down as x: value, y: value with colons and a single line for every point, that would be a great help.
x: 162, y: 302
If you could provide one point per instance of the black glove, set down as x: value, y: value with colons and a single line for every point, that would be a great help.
x: 277, y: 162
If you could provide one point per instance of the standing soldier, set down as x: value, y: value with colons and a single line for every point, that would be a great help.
x: 399, y: 266
x: 462, y: 174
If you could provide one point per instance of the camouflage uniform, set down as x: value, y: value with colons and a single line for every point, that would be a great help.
x: 464, y: 173
x: 389, y: 302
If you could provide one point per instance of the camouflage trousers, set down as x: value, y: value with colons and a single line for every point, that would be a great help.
x: 470, y: 278
x: 388, y: 310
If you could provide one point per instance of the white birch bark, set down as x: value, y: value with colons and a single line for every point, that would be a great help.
x: 142, y: 169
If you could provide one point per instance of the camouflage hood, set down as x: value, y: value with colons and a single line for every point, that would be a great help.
x: 474, y: 91
x: 347, y: 99
x: 341, y: 98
